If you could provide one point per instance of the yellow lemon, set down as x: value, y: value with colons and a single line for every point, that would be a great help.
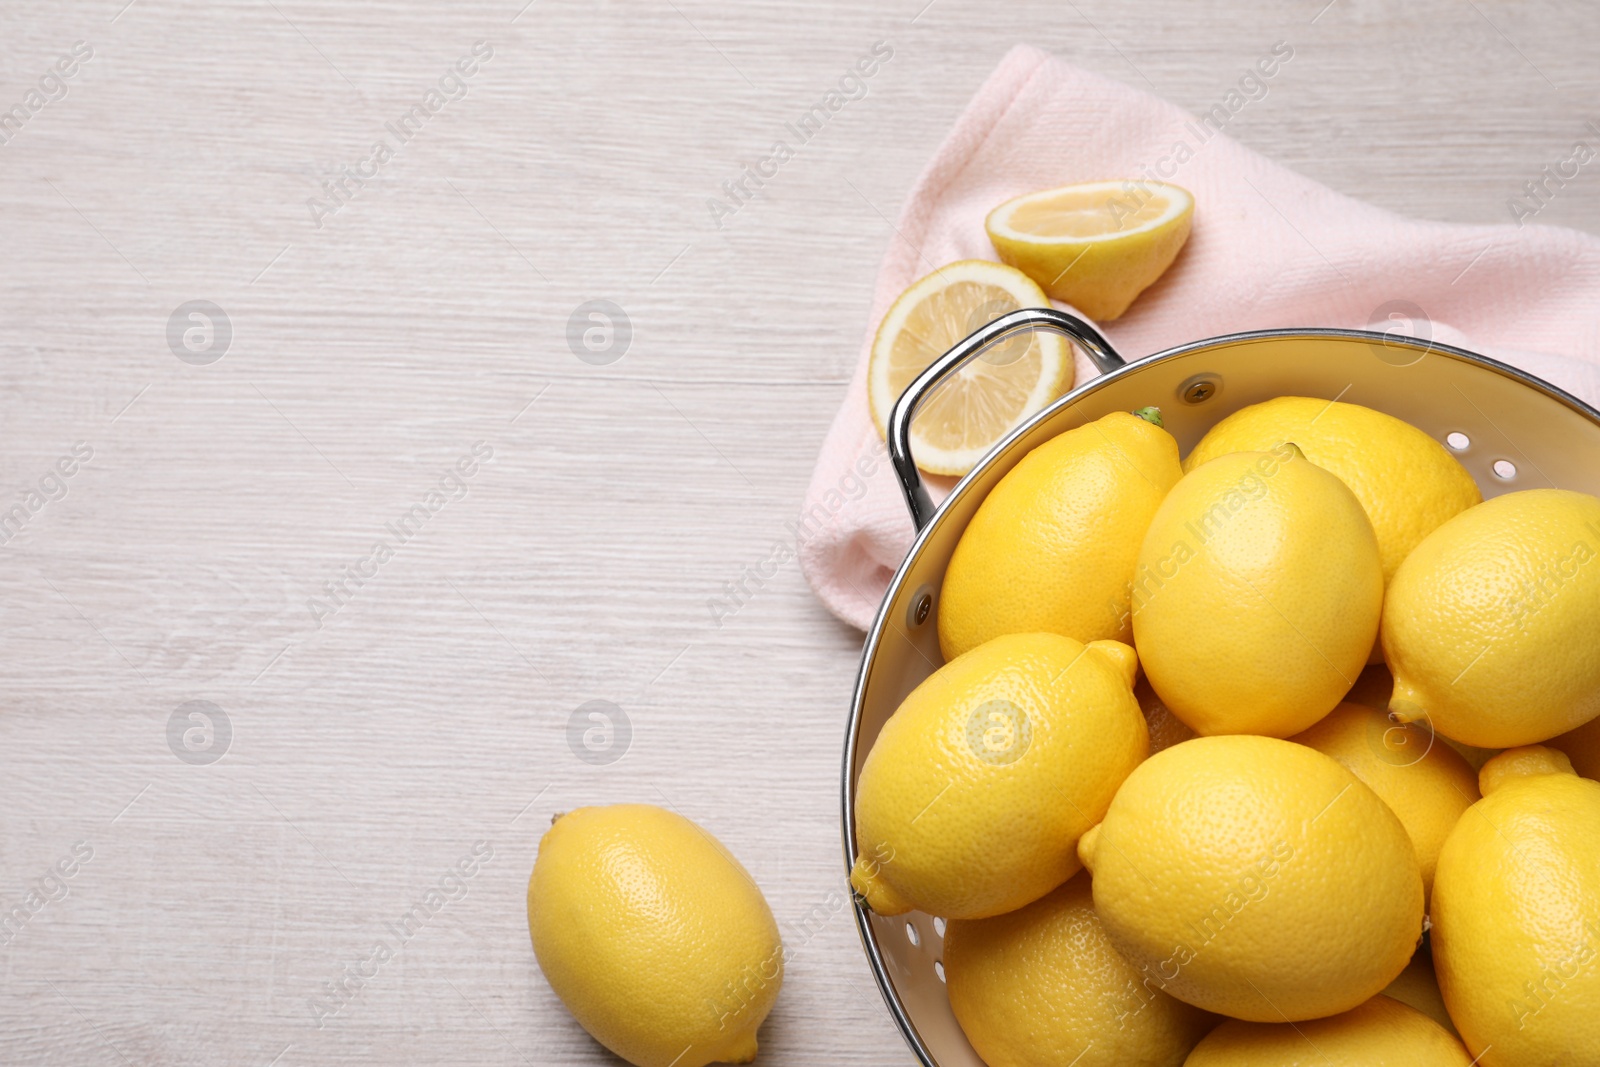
x: 1489, y: 625
x: 1256, y: 595
x: 1418, y: 986
x: 1095, y: 246
x: 1052, y: 546
x: 1408, y: 483
x: 1424, y: 781
x: 972, y: 799
x: 958, y: 423
x: 1256, y: 878
x: 1582, y: 747
x: 1516, y: 915
x: 1043, y: 986
x: 653, y: 936
x: 1380, y: 1033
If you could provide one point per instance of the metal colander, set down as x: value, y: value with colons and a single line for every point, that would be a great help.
x: 1509, y: 429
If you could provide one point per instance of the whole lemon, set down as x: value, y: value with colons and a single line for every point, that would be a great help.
x: 1423, y: 780
x: 1489, y: 625
x: 1408, y: 483
x: 1052, y: 546
x: 1418, y: 986
x: 1582, y: 747
x: 973, y: 797
x: 1380, y: 1033
x: 1042, y: 986
x: 1256, y: 595
x: 1256, y: 878
x: 1516, y: 915
x: 653, y: 936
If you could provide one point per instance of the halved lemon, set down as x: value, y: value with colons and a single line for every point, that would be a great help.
x: 985, y: 400
x: 1094, y: 246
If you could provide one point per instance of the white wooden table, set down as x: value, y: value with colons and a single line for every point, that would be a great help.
x: 378, y: 729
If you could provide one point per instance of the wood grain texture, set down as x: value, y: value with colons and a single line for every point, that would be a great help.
x: 370, y: 749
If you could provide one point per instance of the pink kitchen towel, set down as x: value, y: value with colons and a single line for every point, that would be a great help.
x: 1269, y: 248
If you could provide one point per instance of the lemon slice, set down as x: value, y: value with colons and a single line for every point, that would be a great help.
x: 1094, y: 246
x: 962, y: 419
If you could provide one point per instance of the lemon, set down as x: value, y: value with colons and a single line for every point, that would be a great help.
x: 958, y: 424
x: 1423, y: 780
x: 1052, y: 546
x: 1256, y: 878
x: 653, y: 936
x: 1490, y: 623
x: 1408, y: 483
x: 1516, y: 914
x: 1043, y: 986
x: 1095, y: 246
x: 1380, y: 1033
x: 1418, y: 986
x: 1256, y: 595
x: 972, y: 799
x: 1582, y: 747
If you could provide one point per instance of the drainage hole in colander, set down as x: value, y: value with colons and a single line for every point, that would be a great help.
x: 938, y: 969
x: 1458, y: 441
x: 1504, y: 469
x: 938, y: 926
x: 911, y: 935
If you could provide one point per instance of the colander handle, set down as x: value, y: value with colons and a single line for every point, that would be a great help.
x: 1098, y: 348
